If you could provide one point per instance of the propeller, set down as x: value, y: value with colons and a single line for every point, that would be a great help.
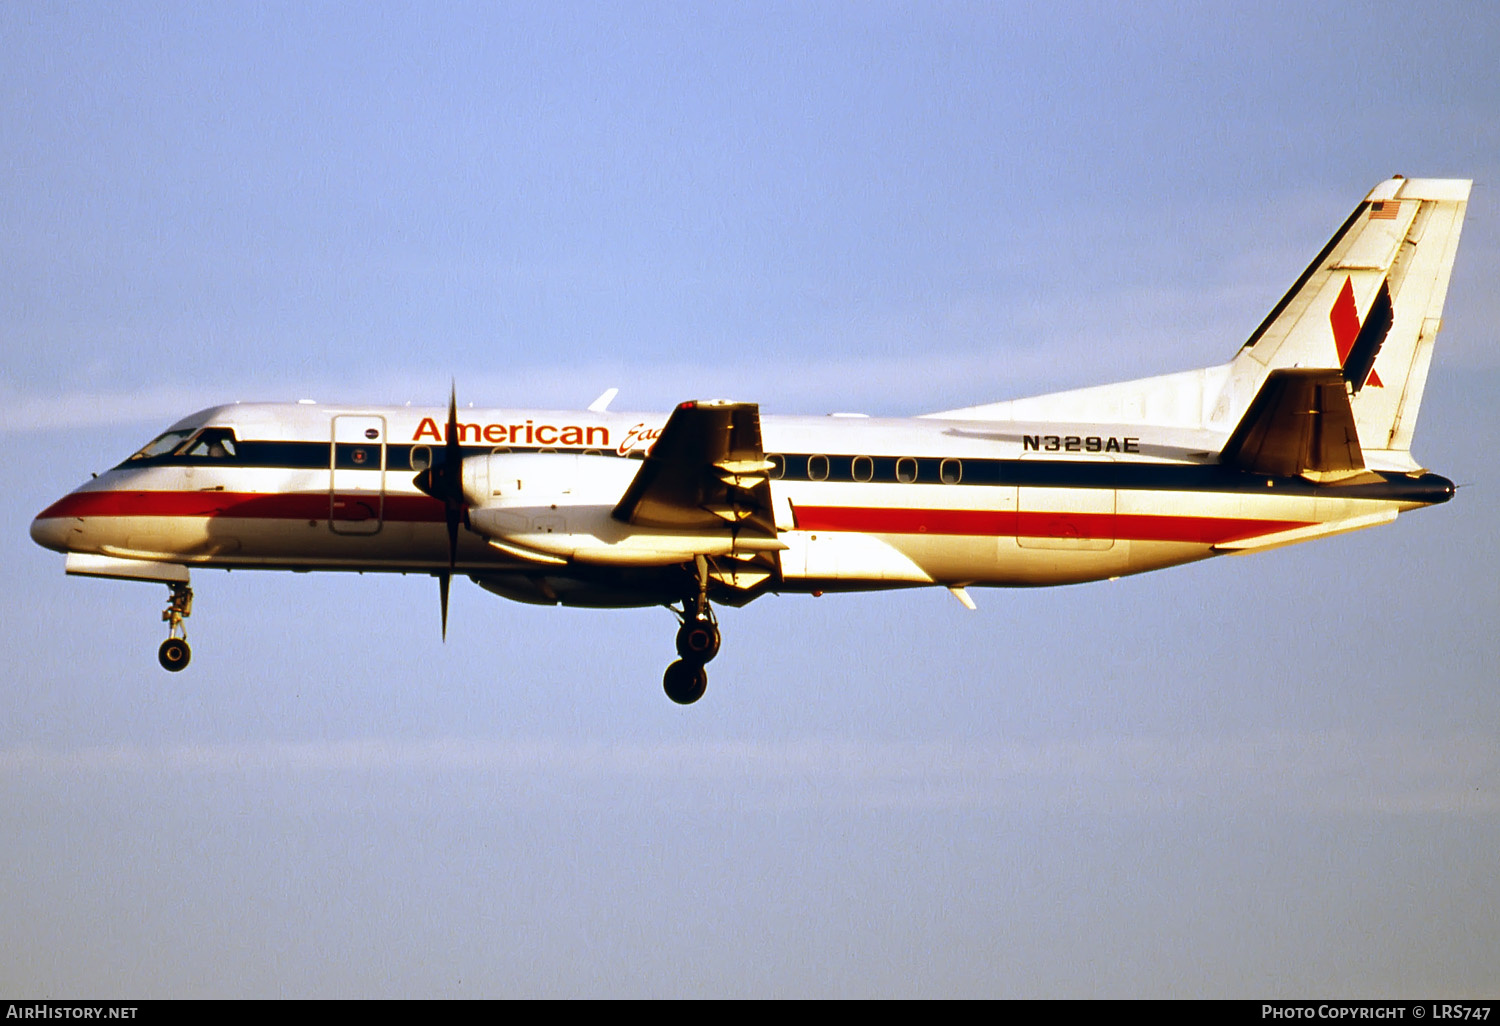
x: 444, y: 481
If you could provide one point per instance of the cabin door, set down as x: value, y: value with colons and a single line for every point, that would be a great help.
x: 356, y: 490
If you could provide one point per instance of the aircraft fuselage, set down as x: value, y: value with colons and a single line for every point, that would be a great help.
x: 860, y: 502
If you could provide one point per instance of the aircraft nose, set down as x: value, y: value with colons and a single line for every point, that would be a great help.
x: 51, y: 527
x: 50, y: 533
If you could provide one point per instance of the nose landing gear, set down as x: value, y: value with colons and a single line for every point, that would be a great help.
x: 174, y: 653
x: 697, y: 643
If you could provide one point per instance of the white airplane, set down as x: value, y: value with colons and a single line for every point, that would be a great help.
x: 1305, y: 433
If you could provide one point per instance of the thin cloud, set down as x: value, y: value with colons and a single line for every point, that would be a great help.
x: 22, y: 412
x: 979, y: 349
x: 1327, y: 772
x: 1031, y: 353
x: 903, y: 385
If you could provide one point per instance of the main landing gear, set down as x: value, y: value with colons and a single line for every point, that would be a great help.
x: 174, y: 652
x: 697, y: 643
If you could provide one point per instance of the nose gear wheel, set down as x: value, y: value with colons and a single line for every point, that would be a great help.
x: 174, y: 653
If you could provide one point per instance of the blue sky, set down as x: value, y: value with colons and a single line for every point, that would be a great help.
x: 1265, y: 776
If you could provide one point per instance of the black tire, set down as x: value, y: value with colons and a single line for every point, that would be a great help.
x: 685, y: 682
x: 698, y: 640
x: 174, y: 654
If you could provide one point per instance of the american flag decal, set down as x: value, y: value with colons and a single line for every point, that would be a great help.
x: 1384, y: 210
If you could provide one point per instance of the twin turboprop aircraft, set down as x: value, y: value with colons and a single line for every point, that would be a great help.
x: 1305, y: 433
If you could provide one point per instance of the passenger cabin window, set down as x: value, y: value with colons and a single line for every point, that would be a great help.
x: 817, y: 468
x: 863, y: 468
x: 906, y: 470
x: 421, y: 457
x: 951, y: 471
x: 778, y: 465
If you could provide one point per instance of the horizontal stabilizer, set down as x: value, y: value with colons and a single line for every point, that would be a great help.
x: 1300, y: 422
x: 1296, y: 535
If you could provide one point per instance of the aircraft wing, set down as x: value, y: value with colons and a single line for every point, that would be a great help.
x: 706, y: 473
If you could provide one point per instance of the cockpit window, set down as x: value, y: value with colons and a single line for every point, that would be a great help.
x: 162, y: 444
x: 211, y: 443
x: 214, y: 443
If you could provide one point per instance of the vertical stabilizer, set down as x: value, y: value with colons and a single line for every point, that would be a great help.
x: 1370, y: 304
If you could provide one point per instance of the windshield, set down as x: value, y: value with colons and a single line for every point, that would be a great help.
x: 214, y: 443
x: 162, y: 444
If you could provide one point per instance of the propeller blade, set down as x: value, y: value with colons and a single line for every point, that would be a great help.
x: 453, y: 472
x: 444, y: 481
x: 453, y: 517
x: 451, y: 448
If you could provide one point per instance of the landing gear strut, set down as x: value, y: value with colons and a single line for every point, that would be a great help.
x: 174, y: 652
x: 697, y: 643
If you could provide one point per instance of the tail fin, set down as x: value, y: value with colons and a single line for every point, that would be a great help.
x: 1370, y: 304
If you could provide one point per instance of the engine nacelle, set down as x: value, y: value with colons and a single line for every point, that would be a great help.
x: 555, y: 508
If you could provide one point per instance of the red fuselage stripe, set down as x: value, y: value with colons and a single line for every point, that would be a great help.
x: 865, y: 520
x: 1035, y: 524
x: 246, y: 505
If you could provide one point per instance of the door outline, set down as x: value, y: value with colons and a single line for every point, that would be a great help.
x: 352, y: 453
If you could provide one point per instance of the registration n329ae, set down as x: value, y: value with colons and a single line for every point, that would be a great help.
x: 1306, y: 432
